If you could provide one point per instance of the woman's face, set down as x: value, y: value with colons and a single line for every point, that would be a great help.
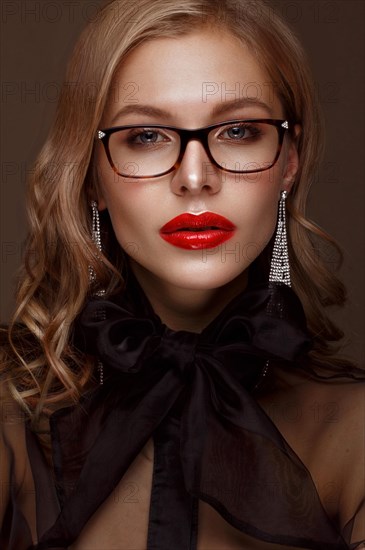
x: 190, y: 82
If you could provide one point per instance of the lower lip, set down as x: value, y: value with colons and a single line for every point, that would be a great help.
x: 196, y: 240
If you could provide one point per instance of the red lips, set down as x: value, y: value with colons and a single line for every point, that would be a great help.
x: 194, y: 232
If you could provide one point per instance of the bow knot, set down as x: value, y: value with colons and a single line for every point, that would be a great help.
x: 178, y: 348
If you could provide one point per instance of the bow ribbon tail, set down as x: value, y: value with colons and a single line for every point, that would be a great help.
x: 121, y: 438
x: 193, y: 430
x: 242, y: 466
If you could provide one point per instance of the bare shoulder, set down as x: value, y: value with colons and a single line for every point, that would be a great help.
x: 324, y: 423
x: 336, y: 401
x: 331, y: 412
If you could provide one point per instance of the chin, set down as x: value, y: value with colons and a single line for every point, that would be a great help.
x: 195, y: 278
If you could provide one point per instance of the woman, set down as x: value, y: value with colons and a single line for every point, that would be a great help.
x: 162, y: 385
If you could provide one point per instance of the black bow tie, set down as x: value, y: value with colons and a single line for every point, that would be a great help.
x: 266, y: 321
x: 205, y: 379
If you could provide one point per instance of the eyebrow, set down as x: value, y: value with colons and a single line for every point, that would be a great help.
x: 241, y: 102
x: 141, y: 109
x: 219, y: 109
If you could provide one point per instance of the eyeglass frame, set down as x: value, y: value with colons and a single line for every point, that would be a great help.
x: 201, y: 134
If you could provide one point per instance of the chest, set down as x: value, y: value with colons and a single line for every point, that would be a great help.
x: 152, y: 505
x: 122, y: 522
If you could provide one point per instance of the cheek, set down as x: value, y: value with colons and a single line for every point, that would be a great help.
x: 257, y: 201
x: 129, y: 212
x: 259, y: 226
x: 132, y: 210
x: 257, y: 209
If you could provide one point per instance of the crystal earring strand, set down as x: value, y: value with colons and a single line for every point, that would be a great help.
x: 280, y: 268
x: 96, y: 237
x: 263, y: 375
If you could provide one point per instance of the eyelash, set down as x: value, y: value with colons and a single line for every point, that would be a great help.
x: 255, y: 131
x: 139, y: 132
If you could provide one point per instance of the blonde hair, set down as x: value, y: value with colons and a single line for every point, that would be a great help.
x: 39, y: 363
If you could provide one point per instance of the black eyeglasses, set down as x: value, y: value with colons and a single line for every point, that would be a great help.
x: 150, y: 151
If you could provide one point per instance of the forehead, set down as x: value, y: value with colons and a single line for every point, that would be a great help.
x: 193, y: 76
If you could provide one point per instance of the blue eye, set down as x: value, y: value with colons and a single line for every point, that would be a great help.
x: 146, y: 136
x: 239, y: 132
x: 149, y: 136
x: 236, y: 132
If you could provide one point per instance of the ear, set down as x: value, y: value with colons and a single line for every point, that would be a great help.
x: 292, y: 163
x: 98, y: 198
x: 94, y: 191
x: 101, y: 202
x: 96, y: 194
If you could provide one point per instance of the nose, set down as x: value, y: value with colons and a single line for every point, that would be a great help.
x: 196, y: 173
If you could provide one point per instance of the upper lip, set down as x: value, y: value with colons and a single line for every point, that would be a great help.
x: 206, y: 220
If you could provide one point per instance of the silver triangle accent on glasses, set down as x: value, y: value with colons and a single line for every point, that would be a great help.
x: 280, y: 267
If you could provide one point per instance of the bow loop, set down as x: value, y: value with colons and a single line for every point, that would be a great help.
x: 116, y: 336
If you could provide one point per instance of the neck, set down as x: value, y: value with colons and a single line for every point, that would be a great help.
x: 186, y: 309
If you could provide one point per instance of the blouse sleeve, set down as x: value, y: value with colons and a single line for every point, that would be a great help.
x: 357, y: 527
x: 355, y: 472
x: 4, y: 475
x: 17, y: 509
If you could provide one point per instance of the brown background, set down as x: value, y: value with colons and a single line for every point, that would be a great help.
x: 36, y: 40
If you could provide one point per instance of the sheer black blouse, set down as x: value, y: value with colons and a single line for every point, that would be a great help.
x: 241, y: 426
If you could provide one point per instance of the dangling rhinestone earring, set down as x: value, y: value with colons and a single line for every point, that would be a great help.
x: 96, y: 225
x: 280, y: 268
x: 96, y: 237
x: 262, y: 376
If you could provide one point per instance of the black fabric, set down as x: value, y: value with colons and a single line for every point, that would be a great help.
x: 193, y: 392
x: 168, y: 487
